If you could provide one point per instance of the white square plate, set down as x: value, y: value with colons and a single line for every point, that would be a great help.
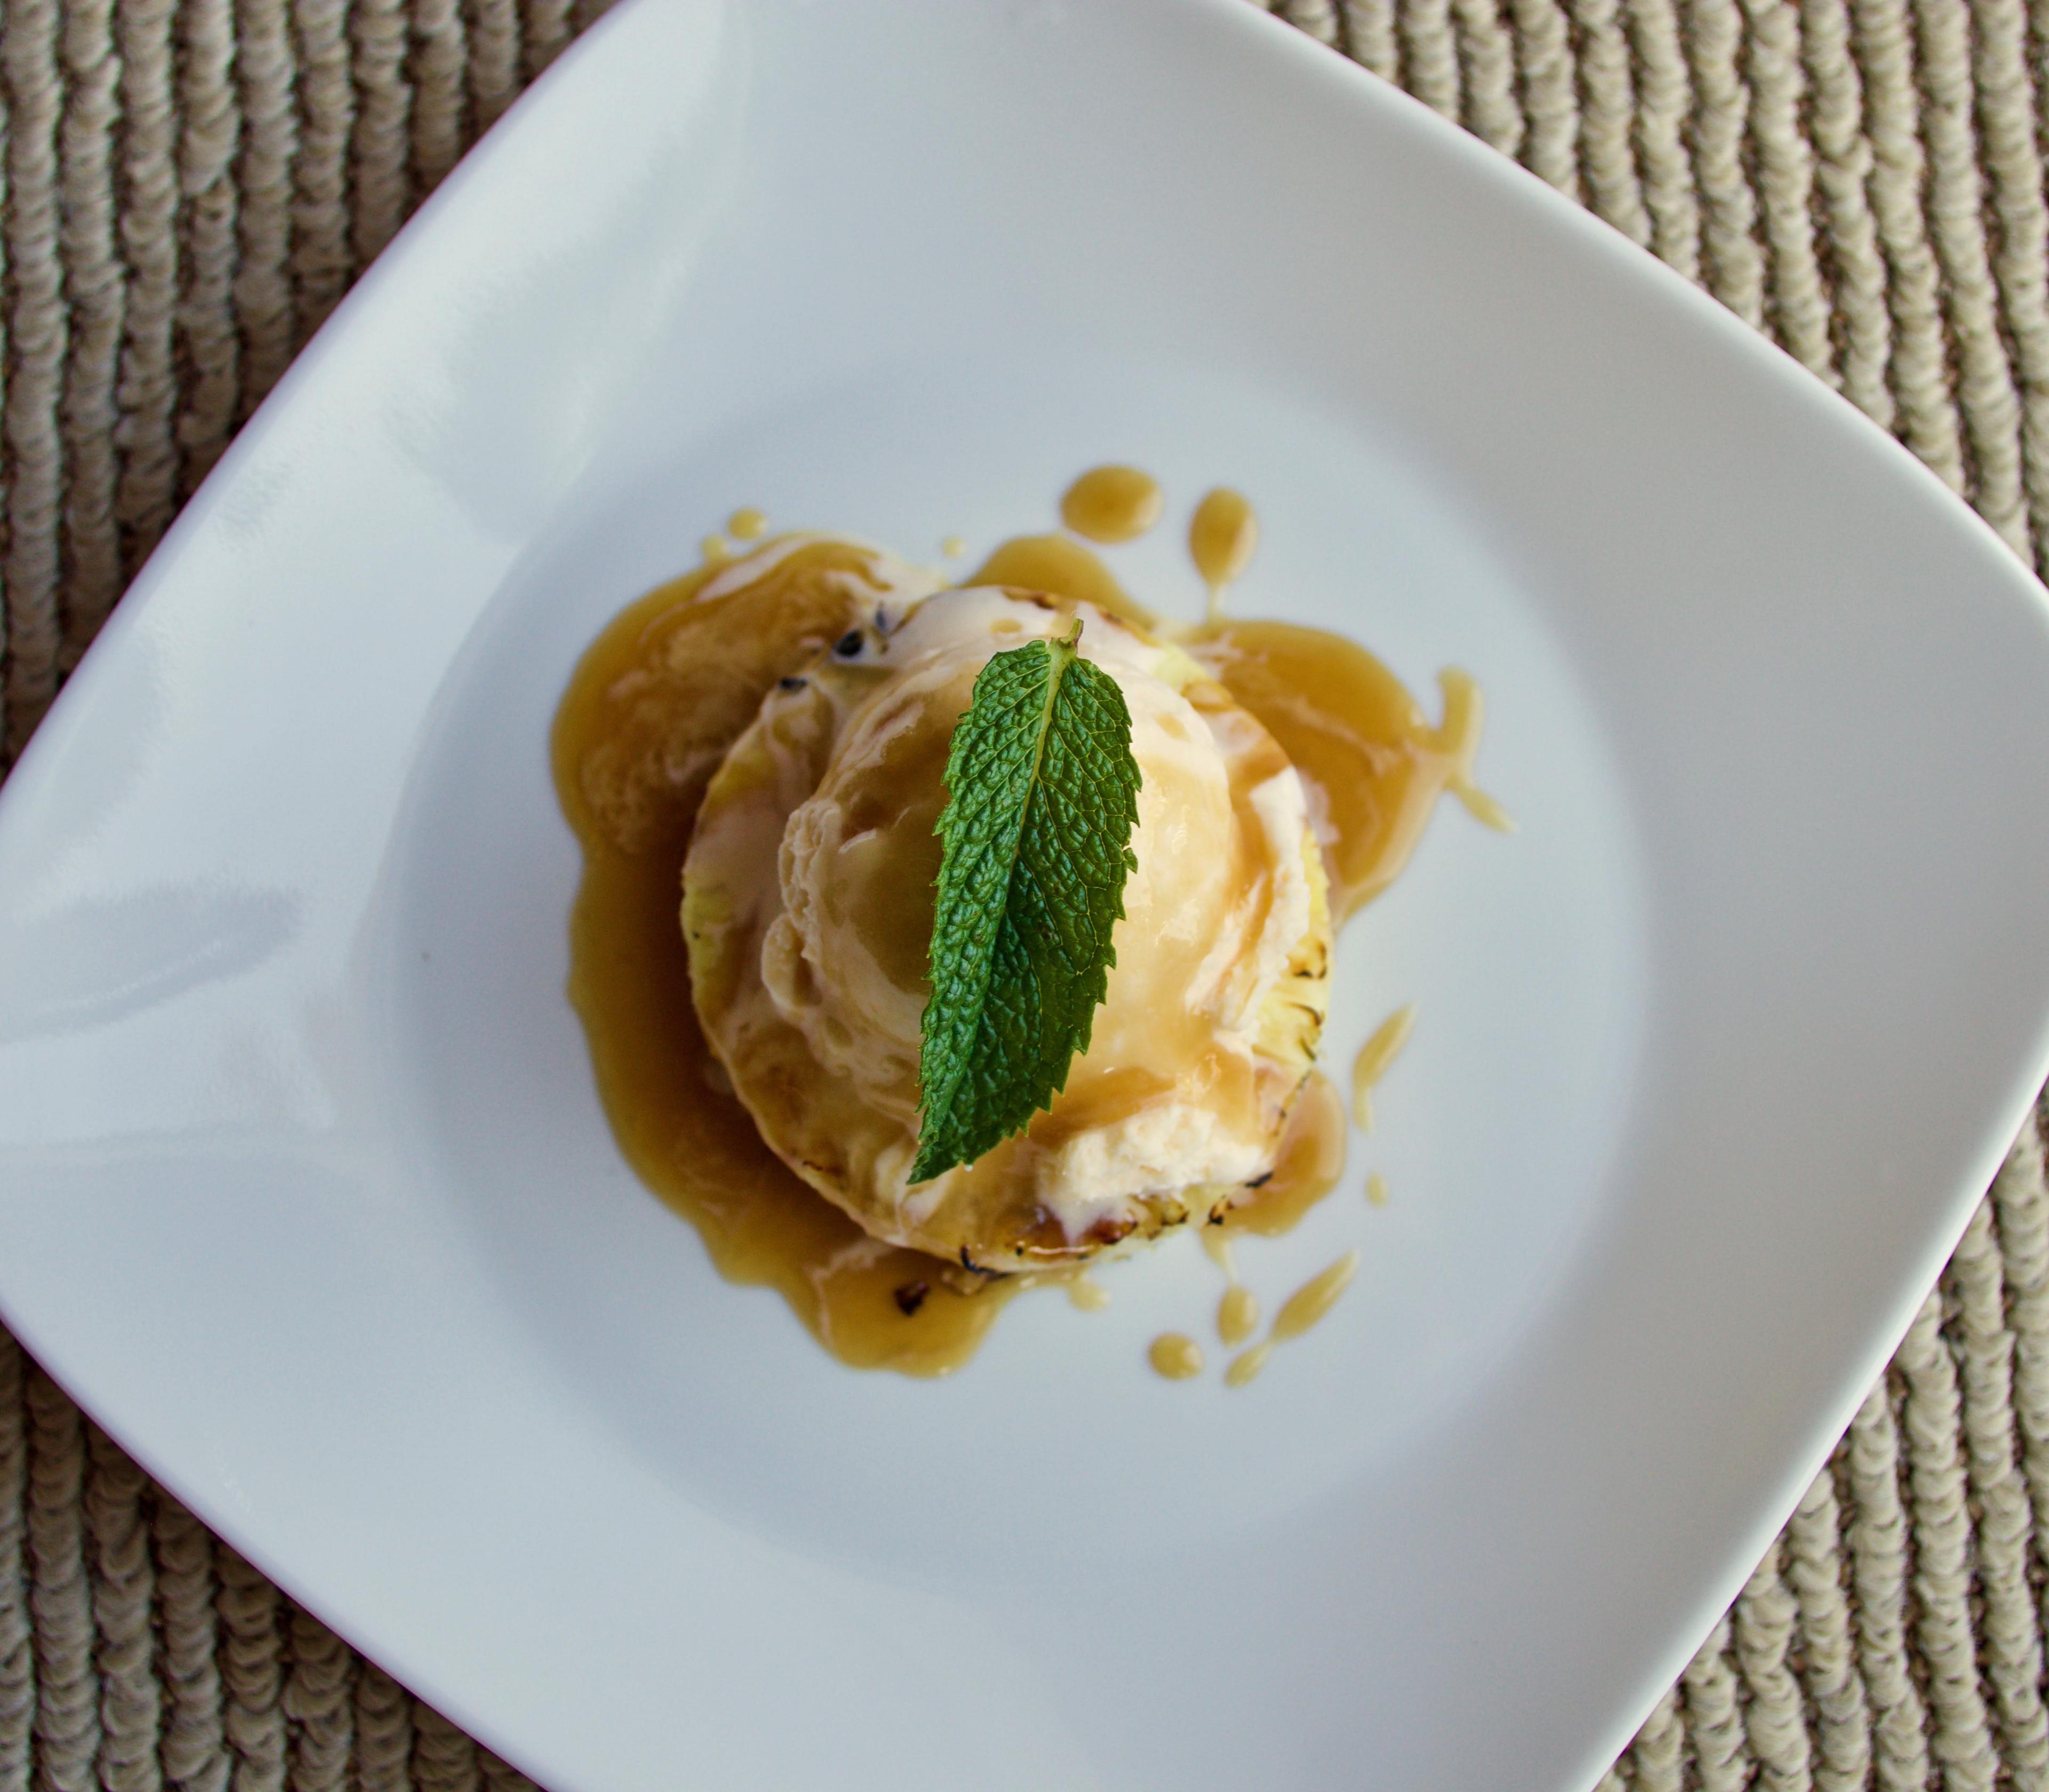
x: 304, y: 1188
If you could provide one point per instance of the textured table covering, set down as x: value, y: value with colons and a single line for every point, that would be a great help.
x: 189, y: 186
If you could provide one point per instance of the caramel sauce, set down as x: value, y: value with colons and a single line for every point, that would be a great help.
x: 672, y: 681
x: 1374, y: 763
x: 1112, y: 504
x: 1238, y: 1310
x: 1246, y: 1365
x: 1237, y: 1314
x: 1464, y: 710
x: 953, y: 547
x: 1373, y: 1057
x: 1305, y: 1308
x: 1091, y: 1297
x: 1222, y: 537
x: 1063, y: 567
x: 1305, y: 1169
x: 1376, y: 1190
x: 1360, y: 740
x: 647, y: 717
x: 1482, y: 807
x: 1175, y: 1355
x: 1314, y: 1298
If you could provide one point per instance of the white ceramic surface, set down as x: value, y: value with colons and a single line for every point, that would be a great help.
x: 304, y: 1189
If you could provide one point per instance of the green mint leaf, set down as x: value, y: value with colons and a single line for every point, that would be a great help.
x: 1042, y: 796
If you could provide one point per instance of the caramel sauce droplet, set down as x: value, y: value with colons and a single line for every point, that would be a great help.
x: 1464, y: 711
x: 747, y: 524
x: 1216, y: 1241
x: 1482, y: 807
x: 1315, y: 1297
x: 1061, y: 567
x: 1373, y: 1057
x: 1237, y: 1314
x: 1111, y: 504
x: 1246, y: 1365
x: 1176, y: 1355
x: 1223, y: 536
x: 1374, y: 763
x: 1091, y: 1297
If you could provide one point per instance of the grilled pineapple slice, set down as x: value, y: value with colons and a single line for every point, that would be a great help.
x: 807, y: 911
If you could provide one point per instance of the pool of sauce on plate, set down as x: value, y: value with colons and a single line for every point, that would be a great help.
x: 1306, y: 1168
x: 1373, y: 761
x: 1061, y: 566
x: 871, y: 1305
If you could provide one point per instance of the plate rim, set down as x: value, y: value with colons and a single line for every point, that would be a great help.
x: 75, y: 700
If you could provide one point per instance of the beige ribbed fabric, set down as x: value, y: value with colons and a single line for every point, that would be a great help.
x: 187, y: 186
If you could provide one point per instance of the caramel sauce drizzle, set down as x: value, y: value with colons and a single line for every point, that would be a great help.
x: 1223, y: 535
x: 1176, y: 1355
x: 1111, y: 504
x: 1373, y: 1057
x: 672, y: 681
x: 1237, y: 1314
x: 1308, y: 1304
x: 1305, y: 1308
x: 1246, y: 1365
x: 1091, y: 1296
x: 663, y: 687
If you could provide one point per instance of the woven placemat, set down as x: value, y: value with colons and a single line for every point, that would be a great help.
x: 191, y: 184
